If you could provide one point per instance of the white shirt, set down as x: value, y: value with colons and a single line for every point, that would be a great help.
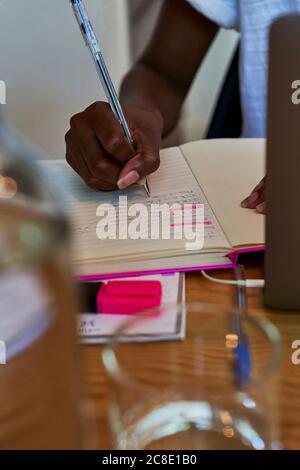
x: 253, y: 19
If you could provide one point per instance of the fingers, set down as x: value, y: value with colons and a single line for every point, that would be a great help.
x: 100, y: 153
x: 146, y: 161
x: 84, y: 148
x: 136, y: 169
x: 257, y: 198
x: 100, y: 164
x: 109, y: 132
x: 262, y: 208
x: 76, y: 160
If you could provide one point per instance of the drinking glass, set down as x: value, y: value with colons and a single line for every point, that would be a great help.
x: 39, y: 386
x: 214, y: 390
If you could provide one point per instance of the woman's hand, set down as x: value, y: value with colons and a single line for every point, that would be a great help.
x: 99, y: 152
x: 257, y: 199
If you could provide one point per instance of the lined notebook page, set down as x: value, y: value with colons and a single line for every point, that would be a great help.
x: 228, y: 170
x: 173, y: 183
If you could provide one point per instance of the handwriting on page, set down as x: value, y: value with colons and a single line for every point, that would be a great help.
x: 174, y: 184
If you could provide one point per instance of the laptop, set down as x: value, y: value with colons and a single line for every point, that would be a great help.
x: 282, y: 264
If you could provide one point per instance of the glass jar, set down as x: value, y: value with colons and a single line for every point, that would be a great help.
x: 38, y: 355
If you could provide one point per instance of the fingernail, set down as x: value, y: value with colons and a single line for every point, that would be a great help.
x: 128, y: 180
x: 261, y: 208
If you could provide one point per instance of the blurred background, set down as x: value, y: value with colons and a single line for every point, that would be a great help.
x: 50, y: 76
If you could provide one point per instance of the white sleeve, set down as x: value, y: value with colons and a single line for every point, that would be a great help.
x: 223, y: 12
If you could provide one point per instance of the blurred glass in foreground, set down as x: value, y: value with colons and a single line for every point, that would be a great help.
x: 38, y: 373
x: 215, y: 390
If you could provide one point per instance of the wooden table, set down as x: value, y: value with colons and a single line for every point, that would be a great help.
x: 201, y: 290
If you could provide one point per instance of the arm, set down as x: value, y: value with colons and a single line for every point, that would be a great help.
x: 162, y: 77
x: 152, y: 95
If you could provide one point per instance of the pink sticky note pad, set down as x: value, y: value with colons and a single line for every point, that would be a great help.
x: 128, y: 297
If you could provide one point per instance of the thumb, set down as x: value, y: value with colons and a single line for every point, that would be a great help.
x: 137, y: 168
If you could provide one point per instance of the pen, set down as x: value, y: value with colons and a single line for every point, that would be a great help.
x: 92, y: 43
x: 242, y: 356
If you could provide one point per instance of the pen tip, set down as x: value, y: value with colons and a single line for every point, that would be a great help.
x: 146, y: 186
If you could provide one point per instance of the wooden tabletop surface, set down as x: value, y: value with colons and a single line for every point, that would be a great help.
x: 201, y: 290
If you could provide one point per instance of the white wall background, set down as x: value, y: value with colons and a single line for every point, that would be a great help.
x: 47, y: 69
x: 50, y: 76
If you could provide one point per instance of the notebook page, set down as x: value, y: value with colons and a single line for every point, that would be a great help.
x: 227, y: 171
x: 173, y: 183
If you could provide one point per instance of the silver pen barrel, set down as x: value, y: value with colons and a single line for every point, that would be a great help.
x: 92, y: 43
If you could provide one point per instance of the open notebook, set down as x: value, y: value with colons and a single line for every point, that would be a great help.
x: 218, y: 174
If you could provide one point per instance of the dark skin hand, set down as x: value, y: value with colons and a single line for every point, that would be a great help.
x: 98, y: 151
x: 257, y: 199
x: 152, y: 95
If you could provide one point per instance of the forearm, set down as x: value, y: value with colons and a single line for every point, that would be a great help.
x: 143, y: 87
x: 162, y: 77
